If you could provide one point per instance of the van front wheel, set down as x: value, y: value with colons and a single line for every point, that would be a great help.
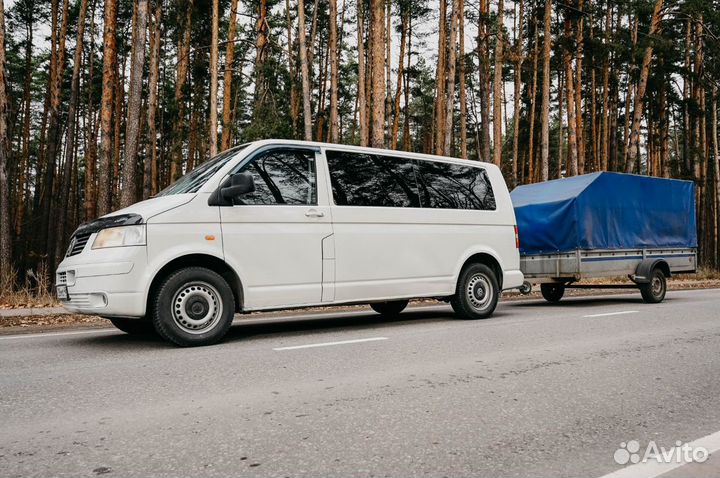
x: 477, y: 292
x: 193, y: 306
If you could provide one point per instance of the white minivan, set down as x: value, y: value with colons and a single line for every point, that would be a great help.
x: 278, y: 224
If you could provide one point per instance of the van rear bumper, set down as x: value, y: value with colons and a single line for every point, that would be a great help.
x: 512, y: 279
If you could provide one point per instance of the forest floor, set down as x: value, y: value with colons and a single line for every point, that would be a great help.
x: 24, y: 312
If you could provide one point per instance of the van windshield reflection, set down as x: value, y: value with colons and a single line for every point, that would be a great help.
x: 194, y: 180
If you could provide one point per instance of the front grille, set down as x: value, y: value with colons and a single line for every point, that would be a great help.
x: 61, y: 278
x: 77, y: 243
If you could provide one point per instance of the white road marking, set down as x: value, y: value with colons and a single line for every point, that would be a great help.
x: 622, y: 312
x: 55, y: 334
x: 327, y: 344
x: 652, y: 469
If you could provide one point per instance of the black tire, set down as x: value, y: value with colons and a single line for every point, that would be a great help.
x: 193, y: 306
x: 140, y: 326
x: 654, y: 291
x: 477, y: 292
x: 552, y: 292
x: 389, y: 309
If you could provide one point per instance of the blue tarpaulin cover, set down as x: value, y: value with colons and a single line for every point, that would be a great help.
x: 605, y: 211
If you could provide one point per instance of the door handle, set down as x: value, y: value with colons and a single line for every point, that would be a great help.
x: 314, y: 213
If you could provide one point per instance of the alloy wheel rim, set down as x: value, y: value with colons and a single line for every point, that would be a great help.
x: 197, y: 307
x: 479, y: 291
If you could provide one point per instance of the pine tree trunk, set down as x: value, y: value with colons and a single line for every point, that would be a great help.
x: 484, y: 80
x: 183, y: 61
x: 377, y: 54
x: 119, y: 115
x: 262, y: 49
x: 214, y: 78
x: 642, y: 85
x: 388, y: 62
x: 716, y: 176
x: 71, y: 131
x: 545, y: 108
x: 406, y: 124
x: 579, y: 127
x: 606, y: 110
x: 106, y: 106
x: 307, y: 114
x: 533, y: 107
x: 664, y: 127
x: 450, y: 81
x: 572, y: 158
x: 461, y: 80
x: 228, y: 76
x: 561, y: 87
x: 53, y: 144
x: 398, y: 93
x: 333, y: 127
x: 128, y: 193
x: 25, y: 149
x: 6, y: 267
x: 517, y: 84
x: 150, y: 180
x: 498, y: 85
x: 440, y: 80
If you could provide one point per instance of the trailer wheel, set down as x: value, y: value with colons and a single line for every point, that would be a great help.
x: 552, y: 292
x: 654, y: 291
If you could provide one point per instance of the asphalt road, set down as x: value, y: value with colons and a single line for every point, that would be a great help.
x: 537, y: 390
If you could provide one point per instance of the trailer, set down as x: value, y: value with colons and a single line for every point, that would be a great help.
x: 605, y: 225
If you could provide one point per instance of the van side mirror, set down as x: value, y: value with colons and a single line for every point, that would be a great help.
x: 240, y: 184
x: 232, y: 189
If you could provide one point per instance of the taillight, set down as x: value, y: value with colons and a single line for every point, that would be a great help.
x: 517, y: 238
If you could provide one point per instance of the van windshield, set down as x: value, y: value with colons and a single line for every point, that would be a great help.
x: 194, y: 180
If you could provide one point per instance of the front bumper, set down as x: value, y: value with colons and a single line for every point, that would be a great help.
x: 107, y: 282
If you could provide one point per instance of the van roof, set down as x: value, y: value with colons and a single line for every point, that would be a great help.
x: 363, y: 149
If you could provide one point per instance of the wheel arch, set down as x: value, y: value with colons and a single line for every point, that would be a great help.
x: 483, y: 257
x: 646, y: 266
x: 198, y: 260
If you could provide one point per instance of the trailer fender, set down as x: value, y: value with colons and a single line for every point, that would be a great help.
x: 644, y: 270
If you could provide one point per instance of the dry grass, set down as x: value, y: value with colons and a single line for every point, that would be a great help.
x: 37, y: 291
x: 703, y: 274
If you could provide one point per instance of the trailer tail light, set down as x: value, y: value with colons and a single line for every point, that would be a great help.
x: 517, y: 238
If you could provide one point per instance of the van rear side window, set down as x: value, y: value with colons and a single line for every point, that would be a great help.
x: 454, y: 186
x: 360, y: 179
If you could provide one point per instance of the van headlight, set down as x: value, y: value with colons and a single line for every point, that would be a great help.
x: 120, y: 236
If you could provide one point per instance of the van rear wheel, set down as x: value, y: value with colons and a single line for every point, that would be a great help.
x: 193, y: 306
x: 390, y: 308
x: 477, y: 292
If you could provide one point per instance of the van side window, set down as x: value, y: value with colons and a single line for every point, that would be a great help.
x: 454, y: 186
x: 360, y: 179
x: 283, y: 177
